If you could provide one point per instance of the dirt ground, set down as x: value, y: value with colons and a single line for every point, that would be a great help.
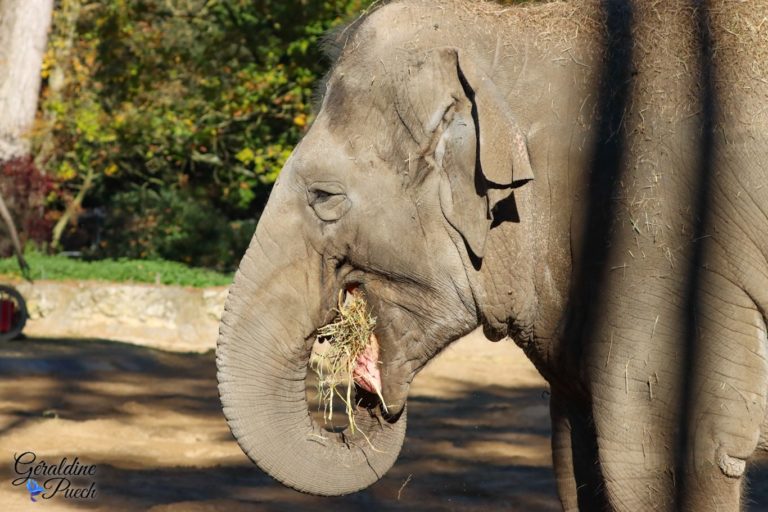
x: 478, y: 434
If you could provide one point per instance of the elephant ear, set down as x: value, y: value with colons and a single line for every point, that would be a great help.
x: 504, y: 156
x: 475, y: 140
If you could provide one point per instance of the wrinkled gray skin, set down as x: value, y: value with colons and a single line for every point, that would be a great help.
x: 453, y: 173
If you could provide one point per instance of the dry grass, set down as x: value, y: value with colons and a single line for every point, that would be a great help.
x: 348, y: 336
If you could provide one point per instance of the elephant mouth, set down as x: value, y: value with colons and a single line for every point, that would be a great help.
x: 367, y: 365
x: 366, y: 371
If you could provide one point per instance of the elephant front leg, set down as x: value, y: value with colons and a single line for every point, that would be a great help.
x: 728, y: 401
x: 574, y: 456
x: 678, y: 408
x: 562, y: 455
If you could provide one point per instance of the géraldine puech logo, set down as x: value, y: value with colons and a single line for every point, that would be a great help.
x: 67, y: 478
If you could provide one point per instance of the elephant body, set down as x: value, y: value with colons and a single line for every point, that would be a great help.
x: 586, y: 178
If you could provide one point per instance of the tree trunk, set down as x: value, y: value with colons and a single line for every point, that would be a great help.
x: 24, y: 28
x: 5, y: 215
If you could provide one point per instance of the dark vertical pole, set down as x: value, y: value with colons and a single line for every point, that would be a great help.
x: 701, y: 197
x: 606, y: 167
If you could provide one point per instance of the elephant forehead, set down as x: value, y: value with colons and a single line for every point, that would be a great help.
x: 375, y: 62
x: 364, y: 128
x: 375, y: 33
x: 327, y: 154
x: 355, y: 93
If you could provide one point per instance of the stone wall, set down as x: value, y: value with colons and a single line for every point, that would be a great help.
x: 167, y: 317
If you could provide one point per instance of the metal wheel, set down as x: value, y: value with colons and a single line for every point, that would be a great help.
x: 13, y: 313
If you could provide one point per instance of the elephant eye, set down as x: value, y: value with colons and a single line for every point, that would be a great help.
x: 318, y: 196
x: 328, y: 200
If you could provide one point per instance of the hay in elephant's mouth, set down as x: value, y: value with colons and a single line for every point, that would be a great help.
x: 351, y: 356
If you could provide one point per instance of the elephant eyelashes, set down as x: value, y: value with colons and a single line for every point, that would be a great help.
x: 328, y: 201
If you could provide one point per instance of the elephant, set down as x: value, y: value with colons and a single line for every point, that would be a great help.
x: 585, y: 178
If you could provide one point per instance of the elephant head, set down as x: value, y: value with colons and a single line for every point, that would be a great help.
x: 393, y: 190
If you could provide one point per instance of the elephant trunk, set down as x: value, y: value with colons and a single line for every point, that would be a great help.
x: 272, y: 312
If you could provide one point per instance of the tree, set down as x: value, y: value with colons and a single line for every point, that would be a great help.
x: 156, y: 111
x: 5, y: 216
x: 24, y: 28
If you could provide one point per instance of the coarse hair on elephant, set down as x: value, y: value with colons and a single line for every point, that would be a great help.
x: 586, y: 178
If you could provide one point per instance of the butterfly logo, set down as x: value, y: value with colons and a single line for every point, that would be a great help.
x: 34, y: 489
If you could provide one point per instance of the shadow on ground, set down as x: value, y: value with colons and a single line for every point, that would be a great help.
x: 151, y: 422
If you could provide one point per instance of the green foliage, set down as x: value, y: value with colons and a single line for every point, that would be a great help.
x: 198, y: 98
x: 172, y: 224
x: 123, y: 270
x: 24, y: 190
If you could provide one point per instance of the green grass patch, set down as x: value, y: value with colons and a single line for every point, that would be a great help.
x: 61, y: 268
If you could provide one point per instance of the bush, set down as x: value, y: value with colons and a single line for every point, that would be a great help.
x: 206, y: 96
x: 25, y: 190
x: 172, y: 225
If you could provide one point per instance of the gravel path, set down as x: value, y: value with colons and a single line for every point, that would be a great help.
x: 150, y: 421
